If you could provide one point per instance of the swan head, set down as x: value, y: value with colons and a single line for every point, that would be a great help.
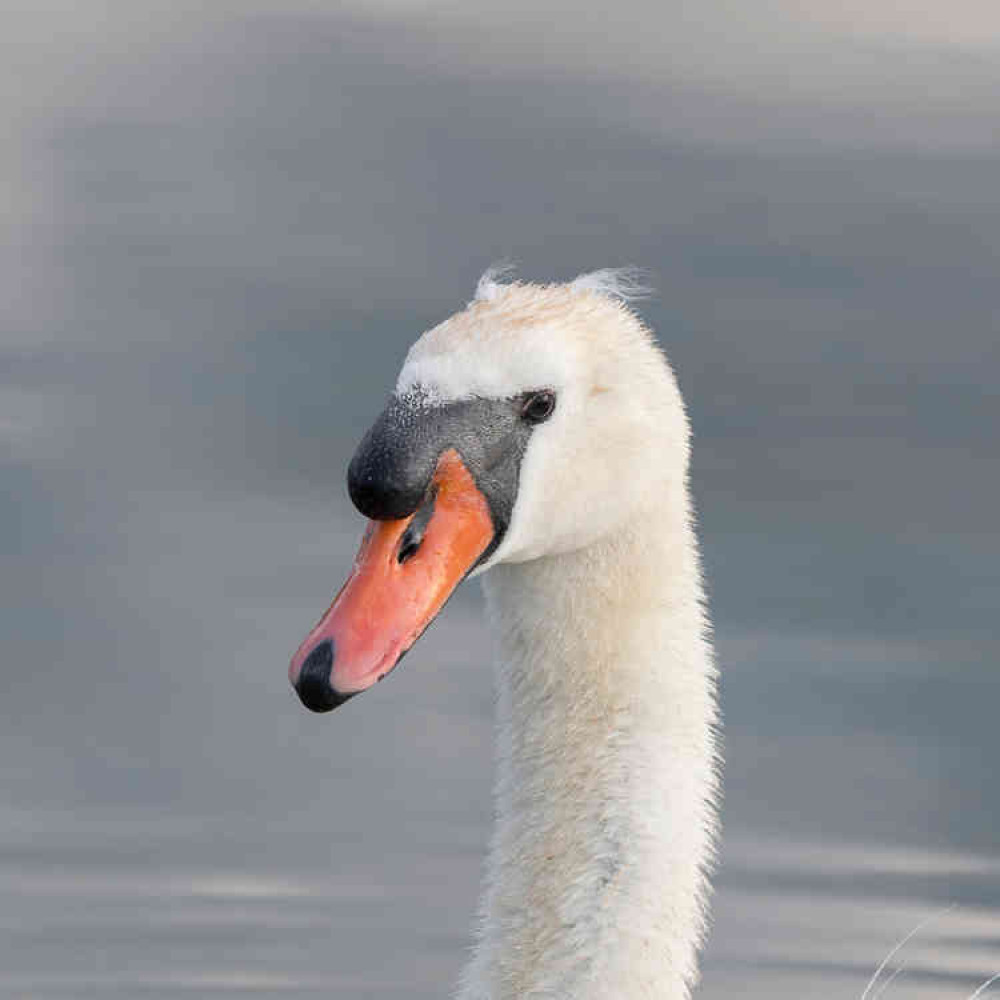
x: 532, y: 423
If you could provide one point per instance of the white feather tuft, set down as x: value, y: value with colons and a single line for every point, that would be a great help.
x: 628, y: 284
x: 491, y: 283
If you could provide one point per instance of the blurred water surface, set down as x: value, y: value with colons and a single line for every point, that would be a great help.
x: 222, y: 230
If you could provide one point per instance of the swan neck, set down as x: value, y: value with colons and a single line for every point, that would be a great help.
x: 606, y: 777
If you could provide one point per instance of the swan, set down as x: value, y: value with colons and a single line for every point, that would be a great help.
x: 537, y: 438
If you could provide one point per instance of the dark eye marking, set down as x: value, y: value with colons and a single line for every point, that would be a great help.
x: 538, y: 406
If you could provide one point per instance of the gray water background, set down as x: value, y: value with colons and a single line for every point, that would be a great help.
x: 223, y: 228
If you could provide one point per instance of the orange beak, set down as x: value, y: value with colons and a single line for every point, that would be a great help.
x: 404, y: 573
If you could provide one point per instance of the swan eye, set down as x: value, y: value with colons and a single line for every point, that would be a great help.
x: 538, y: 406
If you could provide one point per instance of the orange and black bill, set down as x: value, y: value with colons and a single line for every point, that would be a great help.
x: 438, y: 481
x: 405, y: 571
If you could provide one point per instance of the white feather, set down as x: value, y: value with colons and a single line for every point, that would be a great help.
x: 491, y: 283
x: 628, y: 284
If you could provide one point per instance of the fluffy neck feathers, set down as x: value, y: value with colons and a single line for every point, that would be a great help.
x: 606, y: 783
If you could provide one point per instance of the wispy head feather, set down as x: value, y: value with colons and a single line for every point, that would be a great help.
x: 490, y: 284
x: 627, y: 284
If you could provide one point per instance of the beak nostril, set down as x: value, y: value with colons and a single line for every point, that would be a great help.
x: 412, y: 538
x: 409, y: 545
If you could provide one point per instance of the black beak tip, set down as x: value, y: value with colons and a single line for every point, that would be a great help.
x: 313, y: 686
